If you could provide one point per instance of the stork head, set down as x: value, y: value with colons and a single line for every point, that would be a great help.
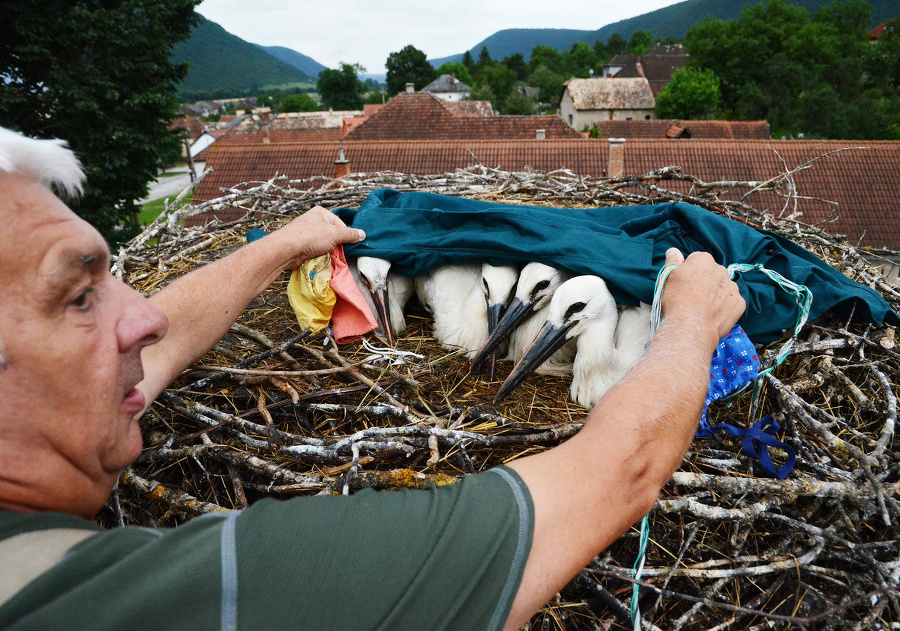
x: 374, y: 273
x: 498, y: 284
x: 535, y: 287
x: 579, y: 303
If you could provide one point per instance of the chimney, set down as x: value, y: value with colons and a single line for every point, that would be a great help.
x: 410, y: 88
x: 341, y: 165
x: 616, y: 166
x: 540, y: 134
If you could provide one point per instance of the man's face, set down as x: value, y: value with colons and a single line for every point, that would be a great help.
x: 72, y: 336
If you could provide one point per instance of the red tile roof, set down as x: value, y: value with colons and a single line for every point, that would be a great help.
x: 861, y: 181
x: 660, y: 128
x: 860, y: 177
x: 422, y: 116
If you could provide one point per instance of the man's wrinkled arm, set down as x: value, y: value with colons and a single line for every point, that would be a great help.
x: 202, y: 305
x: 591, y: 489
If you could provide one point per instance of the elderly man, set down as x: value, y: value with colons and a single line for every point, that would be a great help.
x: 83, y: 355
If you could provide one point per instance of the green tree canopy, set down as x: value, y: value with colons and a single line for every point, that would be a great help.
x: 457, y: 70
x: 640, y: 42
x: 779, y: 63
x: 546, y: 56
x: 409, y: 65
x: 342, y: 89
x: 616, y: 44
x: 693, y: 93
x: 516, y: 63
x: 97, y: 74
x: 298, y: 103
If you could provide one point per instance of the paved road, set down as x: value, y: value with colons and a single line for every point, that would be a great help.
x: 171, y: 186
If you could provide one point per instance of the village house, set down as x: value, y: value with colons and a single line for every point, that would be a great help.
x: 423, y: 116
x: 588, y: 101
x: 448, y: 88
x: 656, y: 66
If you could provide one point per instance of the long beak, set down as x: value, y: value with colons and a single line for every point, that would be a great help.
x: 517, y: 312
x: 382, y: 306
x: 549, y: 340
x: 494, y: 315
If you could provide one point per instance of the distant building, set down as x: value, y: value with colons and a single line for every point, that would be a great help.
x: 423, y: 116
x: 588, y: 101
x: 656, y: 66
x: 448, y: 88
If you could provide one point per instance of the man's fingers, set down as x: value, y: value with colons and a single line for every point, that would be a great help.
x: 674, y: 255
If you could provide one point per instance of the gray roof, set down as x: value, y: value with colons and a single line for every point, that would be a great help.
x: 446, y: 83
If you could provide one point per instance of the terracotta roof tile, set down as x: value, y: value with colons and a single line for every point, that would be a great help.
x: 422, y: 116
x: 661, y: 128
x: 859, y: 177
x: 471, y: 108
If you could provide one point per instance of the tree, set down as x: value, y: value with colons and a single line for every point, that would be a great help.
x: 692, y: 93
x: 341, y: 89
x: 516, y: 63
x: 298, y: 103
x: 616, y: 44
x: 546, y: 56
x: 549, y: 83
x: 640, y: 42
x: 518, y: 103
x: 409, y: 65
x: 467, y: 60
x: 457, y: 70
x: 99, y: 75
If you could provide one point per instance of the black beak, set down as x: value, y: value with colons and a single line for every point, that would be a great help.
x: 550, y: 339
x: 517, y: 312
x: 494, y: 315
x: 380, y: 298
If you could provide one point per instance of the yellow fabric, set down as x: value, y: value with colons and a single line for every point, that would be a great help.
x: 310, y: 295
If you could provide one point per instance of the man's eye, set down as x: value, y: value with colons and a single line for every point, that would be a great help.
x: 84, y: 300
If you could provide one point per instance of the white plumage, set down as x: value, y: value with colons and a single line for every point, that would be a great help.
x: 385, y: 292
x: 457, y: 295
x: 50, y: 162
x: 525, y: 317
x: 582, y: 309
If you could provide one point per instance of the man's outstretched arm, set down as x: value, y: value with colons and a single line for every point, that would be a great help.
x: 203, y: 304
x: 591, y: 489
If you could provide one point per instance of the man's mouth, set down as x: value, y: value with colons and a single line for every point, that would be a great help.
x: 133, y: 402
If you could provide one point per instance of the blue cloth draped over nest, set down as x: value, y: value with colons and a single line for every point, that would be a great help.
x: 625, y: 245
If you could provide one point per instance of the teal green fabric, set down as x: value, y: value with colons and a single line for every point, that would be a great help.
x: 625, y: 245
x: 442, y: 559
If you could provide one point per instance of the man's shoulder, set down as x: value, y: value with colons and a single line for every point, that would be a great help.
x: 14, y: 523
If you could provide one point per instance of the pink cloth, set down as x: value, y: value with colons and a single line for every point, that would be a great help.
x: 351, y: 318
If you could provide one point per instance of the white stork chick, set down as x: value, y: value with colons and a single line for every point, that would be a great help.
x: 583, y: 309
x: 460, y: 297
x: 386, y: 293
x: 525, y: 317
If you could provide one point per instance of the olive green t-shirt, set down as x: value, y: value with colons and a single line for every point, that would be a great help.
x: 448, y: 558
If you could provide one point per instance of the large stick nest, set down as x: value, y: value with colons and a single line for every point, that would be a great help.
x: 271, y: 412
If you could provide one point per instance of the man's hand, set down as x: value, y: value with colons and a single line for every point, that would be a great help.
x: 700, y: 295
x: 313, y: 233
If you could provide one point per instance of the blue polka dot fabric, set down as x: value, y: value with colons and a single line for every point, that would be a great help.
x: 734, y: 365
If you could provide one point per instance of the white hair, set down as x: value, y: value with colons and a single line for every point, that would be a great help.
x: 49, y: 162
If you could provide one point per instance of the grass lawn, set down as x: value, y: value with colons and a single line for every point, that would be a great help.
x: 151, y: 210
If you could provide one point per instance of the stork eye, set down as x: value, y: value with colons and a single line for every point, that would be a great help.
x: 541, y: 286
x: 573, y: 309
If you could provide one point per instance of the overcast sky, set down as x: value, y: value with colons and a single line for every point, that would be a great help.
x: 365, y: 32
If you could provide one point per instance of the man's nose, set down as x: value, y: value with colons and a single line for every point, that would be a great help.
x: 142, y: 323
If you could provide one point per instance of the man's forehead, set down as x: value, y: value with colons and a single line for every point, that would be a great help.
x: 38, y: 233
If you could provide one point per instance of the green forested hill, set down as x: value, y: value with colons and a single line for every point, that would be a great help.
x: 672, y: 21
x: 306, y: 65
x: 223, y: 64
